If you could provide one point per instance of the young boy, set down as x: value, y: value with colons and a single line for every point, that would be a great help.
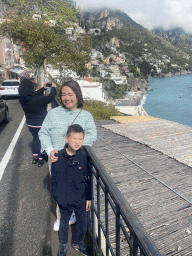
x: 71, y: 188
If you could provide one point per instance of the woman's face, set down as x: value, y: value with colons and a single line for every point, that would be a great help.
x: 69, y: 99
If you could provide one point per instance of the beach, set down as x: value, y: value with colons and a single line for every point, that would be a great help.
x: 130, y: 100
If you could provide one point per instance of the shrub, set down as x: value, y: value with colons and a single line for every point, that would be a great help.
x: 100, y: 110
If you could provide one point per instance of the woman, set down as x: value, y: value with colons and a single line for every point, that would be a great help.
x: 54, y: 128
x: 34, y: 104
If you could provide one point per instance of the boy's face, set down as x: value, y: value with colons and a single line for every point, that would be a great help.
x: 75, y: 140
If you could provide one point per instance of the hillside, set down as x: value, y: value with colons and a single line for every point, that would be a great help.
x: 116, y: 32
x: 177, y: 37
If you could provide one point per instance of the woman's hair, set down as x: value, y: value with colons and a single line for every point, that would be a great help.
x: 26, y: 87
x: 77, y: 90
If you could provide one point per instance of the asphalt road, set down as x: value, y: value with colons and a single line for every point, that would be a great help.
x: 24, y: 194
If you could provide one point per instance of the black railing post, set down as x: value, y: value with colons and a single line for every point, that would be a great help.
x: 117, y: 230
x: 99, y: 213
x: 107, y: 219
x: 135, y: 245
x: 93, y: 207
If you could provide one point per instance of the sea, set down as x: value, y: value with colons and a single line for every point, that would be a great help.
x: 170, y: 99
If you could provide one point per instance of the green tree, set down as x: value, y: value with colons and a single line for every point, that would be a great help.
x: 94, y: 72
x: 39, y: 27
x: 113, y: 90
x: 145, y: 68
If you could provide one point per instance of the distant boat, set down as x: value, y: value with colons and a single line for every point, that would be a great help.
x: 189, y: 86
x: 180, y: 96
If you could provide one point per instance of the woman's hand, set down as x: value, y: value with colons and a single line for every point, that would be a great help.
x: 53, y: 157
x: 88, y: 205
x: 45, y: 85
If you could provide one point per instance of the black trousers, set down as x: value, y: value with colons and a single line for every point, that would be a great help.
x: 36, y: 144
x: 81, y: 226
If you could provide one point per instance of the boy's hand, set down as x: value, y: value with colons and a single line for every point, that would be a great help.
x: 88, y: 205
x: 53, y: 157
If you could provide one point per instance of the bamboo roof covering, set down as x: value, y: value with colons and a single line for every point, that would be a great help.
x: 140, y: 157
x: 172, y: 139
x: 133, y: 119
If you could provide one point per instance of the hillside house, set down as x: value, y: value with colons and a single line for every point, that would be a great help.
x: 125, y: 70
x: 103, y: 73
x: 95, y: 62
x: 119, y: 60
x: 115, y: 69
x: 117, y: 79
x: 79, y: 30
x: 69, y: 30
x: 95, y: 31
x: 106, y: 61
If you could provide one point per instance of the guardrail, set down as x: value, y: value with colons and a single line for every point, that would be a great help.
x: 114, y: 228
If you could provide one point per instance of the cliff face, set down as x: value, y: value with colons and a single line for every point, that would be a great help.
x: 139, y: 85
x: 177, y: 37
x: 102, y: 19
x: 3, y: 7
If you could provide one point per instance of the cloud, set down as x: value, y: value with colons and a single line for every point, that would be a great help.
x: 179, y: 13
x: 151, y: 13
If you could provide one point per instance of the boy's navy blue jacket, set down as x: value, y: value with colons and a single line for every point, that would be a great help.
x: 35, y: 106
x: 71, y: 180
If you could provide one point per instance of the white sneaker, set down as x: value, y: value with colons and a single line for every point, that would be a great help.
x: 56, y: 225
x: 57, y: 222
x: 72, y: 218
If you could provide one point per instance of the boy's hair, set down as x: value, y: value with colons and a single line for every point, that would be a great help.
x: 74, y: 128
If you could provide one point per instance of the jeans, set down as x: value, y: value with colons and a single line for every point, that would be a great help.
x: 81, y: 226
x: 36, y: 144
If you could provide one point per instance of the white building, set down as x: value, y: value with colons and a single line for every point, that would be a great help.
x: 103, y: 73
x: 69, y: 30
x: 80, y: 30
x: 91, y: 90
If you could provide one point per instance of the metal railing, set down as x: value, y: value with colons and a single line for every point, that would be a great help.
x: 114, y: 228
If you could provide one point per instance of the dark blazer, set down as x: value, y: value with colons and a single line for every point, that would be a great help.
x: 71, y: 180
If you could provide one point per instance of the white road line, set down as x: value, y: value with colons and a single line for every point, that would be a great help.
x: 10, y: 149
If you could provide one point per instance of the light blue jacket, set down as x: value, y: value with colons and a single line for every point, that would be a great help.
x: 56, y: 123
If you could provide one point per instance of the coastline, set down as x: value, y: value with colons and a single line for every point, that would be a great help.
x: 139, y: 98
x: 172, y: 74
x: 136, y: 100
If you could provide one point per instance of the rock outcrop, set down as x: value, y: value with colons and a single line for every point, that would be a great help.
x: 139, y: 85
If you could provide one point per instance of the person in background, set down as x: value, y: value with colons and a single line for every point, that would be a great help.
x: 54, y: 128
x: 34, y: 104
x: 71, y: 188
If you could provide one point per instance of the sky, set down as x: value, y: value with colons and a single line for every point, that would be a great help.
x: 150, y: 13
